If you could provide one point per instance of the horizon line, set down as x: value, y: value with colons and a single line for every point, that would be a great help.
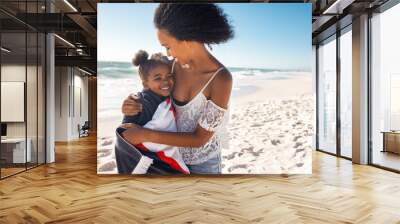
x: 300, y: 69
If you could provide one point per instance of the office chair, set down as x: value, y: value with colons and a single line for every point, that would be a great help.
x: 84, y: 130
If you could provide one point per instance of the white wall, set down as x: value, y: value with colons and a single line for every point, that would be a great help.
x: 12, y: 73
x: 33, y: 126
x: 70, y: 83
x: 16, y: 73
x: 62, y: 81
x: 81, y: 102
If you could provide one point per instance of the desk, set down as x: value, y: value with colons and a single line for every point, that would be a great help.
x: 13, y: 150
x: 391, y: 141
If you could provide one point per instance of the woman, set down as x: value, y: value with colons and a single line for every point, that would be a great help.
x: 202, y: 84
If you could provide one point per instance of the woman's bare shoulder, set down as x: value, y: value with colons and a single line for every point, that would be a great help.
x: 221, y: 88
x: 223, y: 80
x: 224, y: 75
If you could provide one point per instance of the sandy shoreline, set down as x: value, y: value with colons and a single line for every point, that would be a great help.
x: 276, y: 89
x: 270, y: 129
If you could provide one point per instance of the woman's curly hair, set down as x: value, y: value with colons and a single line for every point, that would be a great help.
x: 205, y: 23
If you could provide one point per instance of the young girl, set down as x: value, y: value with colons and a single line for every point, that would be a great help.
x: 202, y: 84
x: 157, y: 114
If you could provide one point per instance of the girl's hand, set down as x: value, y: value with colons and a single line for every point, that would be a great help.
x: 134, y: 134
x: 131, y: 106
x: 127, y: 125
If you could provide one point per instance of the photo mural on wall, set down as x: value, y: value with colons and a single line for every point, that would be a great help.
x: 204, y: 89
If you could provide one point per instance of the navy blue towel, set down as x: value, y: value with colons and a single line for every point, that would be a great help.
x: 128, y: 156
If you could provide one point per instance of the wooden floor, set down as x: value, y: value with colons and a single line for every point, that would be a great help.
x: 69, y: 191
x: 387, y: 159
x: 10, y: 171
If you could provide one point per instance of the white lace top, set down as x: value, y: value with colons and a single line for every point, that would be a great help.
x: 211, y: 117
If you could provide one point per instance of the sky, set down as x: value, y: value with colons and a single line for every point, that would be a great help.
x: 273, y: 36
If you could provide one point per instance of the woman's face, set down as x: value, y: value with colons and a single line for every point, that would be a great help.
x: 175, y: 48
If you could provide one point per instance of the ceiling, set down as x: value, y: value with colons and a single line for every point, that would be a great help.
x: 329, y: 16
x: 75, y: 23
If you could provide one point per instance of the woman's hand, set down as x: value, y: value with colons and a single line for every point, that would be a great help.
x: 134, y: 134
x: 131, y: 106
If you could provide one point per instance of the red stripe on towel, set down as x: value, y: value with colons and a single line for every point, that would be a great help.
x: 171, y: 162
x: 142, y: 147
x: 171, y: 108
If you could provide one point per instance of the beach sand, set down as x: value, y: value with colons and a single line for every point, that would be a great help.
x: 270, y: 130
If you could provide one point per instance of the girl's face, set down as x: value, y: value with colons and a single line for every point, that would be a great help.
x: 175, y: 48
x: 160, y: 80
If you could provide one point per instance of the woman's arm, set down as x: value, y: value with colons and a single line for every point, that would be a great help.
x: 220, y: 93
x: 131, y: 106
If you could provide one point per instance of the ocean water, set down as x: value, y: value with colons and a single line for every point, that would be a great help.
x: 116, y: 80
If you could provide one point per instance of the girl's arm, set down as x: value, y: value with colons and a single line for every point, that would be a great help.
x: 211, y: 118
x: 137, y: 134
